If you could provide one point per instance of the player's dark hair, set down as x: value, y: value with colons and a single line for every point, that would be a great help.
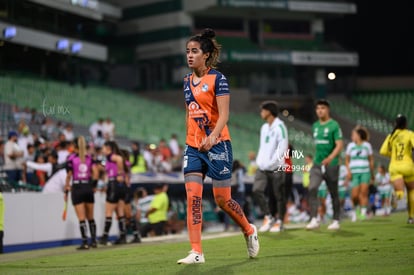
x: 271, y: 106
x: 323, y: 101
x: 208, y: 44
x: 114, y: 147
x: 400, y: 123
x: 125, y: 157
x: 362, y: 133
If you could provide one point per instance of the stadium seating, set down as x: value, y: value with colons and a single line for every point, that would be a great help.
x: 388, y: 103
x: 361, y: 116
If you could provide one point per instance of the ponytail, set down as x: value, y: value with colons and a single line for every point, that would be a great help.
x: 82, y: 149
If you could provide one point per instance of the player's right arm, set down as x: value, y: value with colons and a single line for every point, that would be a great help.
x: 385, y: 147
x: 347, y: 161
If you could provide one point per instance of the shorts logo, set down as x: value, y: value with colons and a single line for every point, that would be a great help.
x: 225, y: 171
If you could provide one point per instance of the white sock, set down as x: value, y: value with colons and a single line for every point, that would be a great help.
x: 363, y: 211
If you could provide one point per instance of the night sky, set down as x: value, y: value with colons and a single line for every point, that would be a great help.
x: 380, y: 33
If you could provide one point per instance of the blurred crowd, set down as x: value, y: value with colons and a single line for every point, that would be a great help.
x: 38, y: 138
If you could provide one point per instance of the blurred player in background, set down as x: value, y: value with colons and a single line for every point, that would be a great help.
x: 115, y: 191
x: 399, y: 147
x: 328, y: 140
x: 83, y: 175
x: 384, y: 187
x: 359, y: 161
x: 131, y: 225
x: 271, y: 168
x: 208, y: 149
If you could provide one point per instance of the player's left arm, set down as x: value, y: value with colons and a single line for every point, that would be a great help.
x: 339, y: 145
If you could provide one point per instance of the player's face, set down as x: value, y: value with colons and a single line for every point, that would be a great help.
x: 355, y: 137
x: 264, y: 114
x: 322, y: 111
x: 195, y: 57
x: 106, y: 150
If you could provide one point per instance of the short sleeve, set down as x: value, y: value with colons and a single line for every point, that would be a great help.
x: 69, y: 165
x: 337, y: 132
x: 348, y: 149
x: 370, y: 152
x: 222, y: 86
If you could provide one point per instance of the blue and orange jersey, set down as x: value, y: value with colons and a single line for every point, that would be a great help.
x: 202, y: 107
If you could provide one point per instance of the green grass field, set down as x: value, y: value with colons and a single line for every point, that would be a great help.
x: 382, y: 245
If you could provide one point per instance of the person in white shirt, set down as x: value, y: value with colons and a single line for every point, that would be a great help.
x: 108, y: 129
x: 271, y: 167
x: 13, y: 158
x: 56, y: 173
x: 95, y: 127
x: 68, y: 132
x: 173, y: 145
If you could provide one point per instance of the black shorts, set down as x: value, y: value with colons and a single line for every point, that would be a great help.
x: 82, y: 193
x: 128, y: 195
x: 115, y: 191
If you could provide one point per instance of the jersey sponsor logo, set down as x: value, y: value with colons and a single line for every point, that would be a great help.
x: 82, y: 170
x: 194, y: 110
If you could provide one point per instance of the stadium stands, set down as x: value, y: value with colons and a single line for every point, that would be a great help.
x: 387, y: 103
x: 361, y: 116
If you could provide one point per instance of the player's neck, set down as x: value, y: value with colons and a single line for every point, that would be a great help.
x: 200, y: 72
x: 324, y: 120
x: 270, y: 120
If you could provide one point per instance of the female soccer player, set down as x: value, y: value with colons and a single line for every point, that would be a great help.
x: 382, y: 182
x: 399, y: 146
x: 208, y: 148
x: 83, y: 173
x: 115, y: 192
x: 359, y: 162
x: 129, y: 218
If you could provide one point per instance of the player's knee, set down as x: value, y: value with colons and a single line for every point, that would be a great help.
x: 220, y: 201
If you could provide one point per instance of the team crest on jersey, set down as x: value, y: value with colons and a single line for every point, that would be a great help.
x: 325, y: 132
x: 204, y: 88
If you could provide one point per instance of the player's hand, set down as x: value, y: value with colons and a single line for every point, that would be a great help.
x: 349, y: 176
x: 207, y: 143
x: 326, y: 161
